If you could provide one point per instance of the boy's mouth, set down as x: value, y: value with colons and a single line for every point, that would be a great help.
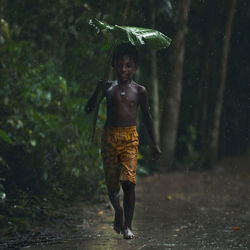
x: 124, y: 76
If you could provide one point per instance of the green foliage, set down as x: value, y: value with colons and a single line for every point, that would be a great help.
x: 137, y: 36
x: 45, y: 157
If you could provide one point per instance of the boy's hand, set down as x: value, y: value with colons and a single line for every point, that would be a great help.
x: 156, y: 152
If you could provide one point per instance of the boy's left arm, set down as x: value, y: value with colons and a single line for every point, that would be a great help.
x: 149, y: 122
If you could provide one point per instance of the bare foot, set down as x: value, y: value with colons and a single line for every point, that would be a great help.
x: 127, y: 234
x: 118, y: 223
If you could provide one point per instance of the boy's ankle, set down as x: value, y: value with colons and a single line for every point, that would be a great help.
x: 128, y: 234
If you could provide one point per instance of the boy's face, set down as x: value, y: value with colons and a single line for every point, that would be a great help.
x: 125, y: 68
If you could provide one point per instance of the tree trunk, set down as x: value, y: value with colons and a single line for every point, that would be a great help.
x: 155, y: 86
x: 208, y: 76
x: 155, y: 94
x: 212, y: 155
x: 172, y: 95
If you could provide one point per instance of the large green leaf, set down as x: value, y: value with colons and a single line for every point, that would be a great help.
x: 152, y: 39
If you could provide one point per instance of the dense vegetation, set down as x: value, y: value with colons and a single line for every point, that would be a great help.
x: 50, y: 62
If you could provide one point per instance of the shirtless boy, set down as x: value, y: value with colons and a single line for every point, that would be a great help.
x: 120, y: 138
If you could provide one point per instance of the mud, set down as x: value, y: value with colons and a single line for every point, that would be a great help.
x: 177, y: 210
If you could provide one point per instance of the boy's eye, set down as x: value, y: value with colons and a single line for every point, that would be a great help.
x: 127, y: 65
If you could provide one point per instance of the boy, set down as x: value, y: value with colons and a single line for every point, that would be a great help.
x: 120, y: 138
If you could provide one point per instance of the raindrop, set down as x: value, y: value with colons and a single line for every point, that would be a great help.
x: 169, y: 244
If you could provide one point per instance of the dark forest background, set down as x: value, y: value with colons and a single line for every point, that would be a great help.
x: 50, y: 63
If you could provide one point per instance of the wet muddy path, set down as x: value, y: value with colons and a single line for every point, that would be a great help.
x: 178, y: 210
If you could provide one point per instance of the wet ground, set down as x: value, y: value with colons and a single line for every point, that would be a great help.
x: 177, y: 210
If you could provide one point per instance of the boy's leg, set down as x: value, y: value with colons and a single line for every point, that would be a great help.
x: 115, y: 201
x: 113, y: 185
x: 112, y: 175
x: 128, y: 160
x: 128, y: 205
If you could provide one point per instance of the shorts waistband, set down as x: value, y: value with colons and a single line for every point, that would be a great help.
x: 120, y: 129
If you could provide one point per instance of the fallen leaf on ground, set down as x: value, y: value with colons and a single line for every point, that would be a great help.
x: 170, y: 197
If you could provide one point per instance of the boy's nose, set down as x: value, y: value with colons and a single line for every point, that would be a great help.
x: 124, y: 68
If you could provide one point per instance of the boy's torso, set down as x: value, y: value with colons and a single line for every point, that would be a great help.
x: 122, y: 103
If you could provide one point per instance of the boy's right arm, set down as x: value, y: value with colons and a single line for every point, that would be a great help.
x: 90, y: 106
x: 149, y: 122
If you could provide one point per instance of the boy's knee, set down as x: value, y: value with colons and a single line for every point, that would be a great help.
x: 114, y: 195
x: 127, y: 185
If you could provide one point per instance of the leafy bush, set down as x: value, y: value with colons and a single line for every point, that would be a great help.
x: 45, y: 155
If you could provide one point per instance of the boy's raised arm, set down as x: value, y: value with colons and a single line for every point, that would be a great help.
x: 90, y: 106
x: 149, y: 122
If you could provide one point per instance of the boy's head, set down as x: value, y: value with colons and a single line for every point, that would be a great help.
x: 125, y: 49
x: 124, y: 62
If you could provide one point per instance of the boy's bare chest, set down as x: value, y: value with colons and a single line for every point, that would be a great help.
x: 127, y: 95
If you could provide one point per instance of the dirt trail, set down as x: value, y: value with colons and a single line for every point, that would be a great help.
x: 180, y: 210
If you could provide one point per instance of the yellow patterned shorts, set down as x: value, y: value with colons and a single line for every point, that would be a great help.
x: 119, y: 155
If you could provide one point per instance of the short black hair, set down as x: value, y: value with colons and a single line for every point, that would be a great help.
x: 125, y: 49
